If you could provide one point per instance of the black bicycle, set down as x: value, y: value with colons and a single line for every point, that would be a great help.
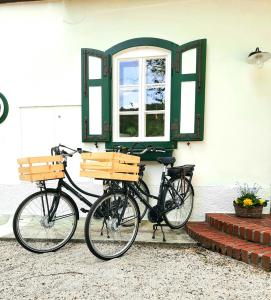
x: 112, y: 223
x: 110, y: 186
x: 46, y: 220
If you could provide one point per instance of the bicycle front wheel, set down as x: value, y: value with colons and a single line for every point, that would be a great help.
x: 107, y: 236
x: 35, y: 230
x: 178, y: 199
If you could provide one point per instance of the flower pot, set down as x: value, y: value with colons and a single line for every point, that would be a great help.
x: 248, y: 212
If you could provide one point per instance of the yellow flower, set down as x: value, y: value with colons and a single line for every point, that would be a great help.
x: 261, y: 201
x: 247, y: 202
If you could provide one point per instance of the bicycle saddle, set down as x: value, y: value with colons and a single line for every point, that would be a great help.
x: 185, y: 170
x: 166, y: 160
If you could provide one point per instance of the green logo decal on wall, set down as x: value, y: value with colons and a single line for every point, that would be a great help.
x: 3, y: 108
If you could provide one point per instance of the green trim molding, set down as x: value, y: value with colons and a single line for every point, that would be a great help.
x: 3, y: 107
x: 168, y: 146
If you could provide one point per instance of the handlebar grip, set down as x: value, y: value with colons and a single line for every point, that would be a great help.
x: 55, y: 150
x: 155, y: 149
x: 159, y: 149
x: 121, y: 149
x: 63, y: 152
x: 83, y: 151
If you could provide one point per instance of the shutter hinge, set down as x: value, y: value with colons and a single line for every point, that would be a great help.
x: 106, y: 130
x: 107, y: 70
x: 86, y: 129
x: 197, y: 133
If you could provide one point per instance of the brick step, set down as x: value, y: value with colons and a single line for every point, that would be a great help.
x: 213, y: 239
x: 254, y: 230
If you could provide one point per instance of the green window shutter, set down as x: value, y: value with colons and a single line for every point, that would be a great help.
x: 96, y: 90
x: 188, y: 91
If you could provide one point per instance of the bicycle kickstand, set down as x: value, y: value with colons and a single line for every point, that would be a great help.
x: 154, y: 227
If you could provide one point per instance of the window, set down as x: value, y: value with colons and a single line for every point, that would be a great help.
x: 144, y: 90
x: 141, y: 95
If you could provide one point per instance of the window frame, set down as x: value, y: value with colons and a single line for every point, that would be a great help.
x: 176, y: 79
x: 131, y: 54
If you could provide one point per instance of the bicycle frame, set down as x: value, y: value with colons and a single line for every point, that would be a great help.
x: 72, y: 187
x: 160, y: 201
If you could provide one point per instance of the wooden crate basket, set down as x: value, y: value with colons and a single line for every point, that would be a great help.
x: 110, y: 165
x: 41, y: 168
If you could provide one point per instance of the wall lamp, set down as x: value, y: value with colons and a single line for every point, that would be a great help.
x: 258, y: 57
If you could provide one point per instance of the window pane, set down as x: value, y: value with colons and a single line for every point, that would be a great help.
x: 189, y: 59
x: 155, y: 124
x: 129, y: 72
x: 188, y: 107
x: 128, y: 100
x: 95, y: 111
x: 155, y: 70
x: 128, y: 125
x: 95, y: 67
x: 155, y: 98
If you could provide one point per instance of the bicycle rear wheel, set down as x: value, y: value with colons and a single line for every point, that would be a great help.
x: 32, y: 227
x: 142, y: 208
x: 143, y: 186
x: 107, y: 237
x: 178, y: 199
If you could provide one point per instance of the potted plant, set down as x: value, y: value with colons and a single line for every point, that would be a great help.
x: 249, y: 204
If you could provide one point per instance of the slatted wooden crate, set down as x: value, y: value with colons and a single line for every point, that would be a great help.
x: 110, y: 165
x: 41, y: 168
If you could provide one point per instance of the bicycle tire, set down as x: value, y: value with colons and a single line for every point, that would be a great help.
x: 187, y: 190
x: 109, y: 246
x: 31, y: 228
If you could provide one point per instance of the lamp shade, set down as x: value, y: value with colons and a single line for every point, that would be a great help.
x: 258, y: 57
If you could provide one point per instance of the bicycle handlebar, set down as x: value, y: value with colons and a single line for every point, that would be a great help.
x: 150, y: 149
x: 62, y: 150
x: 58, y: 151
x: 146, y: 149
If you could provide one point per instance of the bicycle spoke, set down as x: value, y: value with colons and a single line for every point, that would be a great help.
x: 39, y: 233
x: 117, y: 238
x: 178, y: 203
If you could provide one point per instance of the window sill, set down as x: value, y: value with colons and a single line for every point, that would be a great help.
x: 168, y: 146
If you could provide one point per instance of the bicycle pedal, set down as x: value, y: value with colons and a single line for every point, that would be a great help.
x: 84, y: 210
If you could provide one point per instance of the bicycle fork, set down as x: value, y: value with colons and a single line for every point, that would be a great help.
x: 48, y: 210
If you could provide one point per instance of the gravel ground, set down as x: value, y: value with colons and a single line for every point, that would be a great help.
x: 145, y: 272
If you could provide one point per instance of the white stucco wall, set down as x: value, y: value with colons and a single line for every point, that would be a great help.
x: 40, y: 67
